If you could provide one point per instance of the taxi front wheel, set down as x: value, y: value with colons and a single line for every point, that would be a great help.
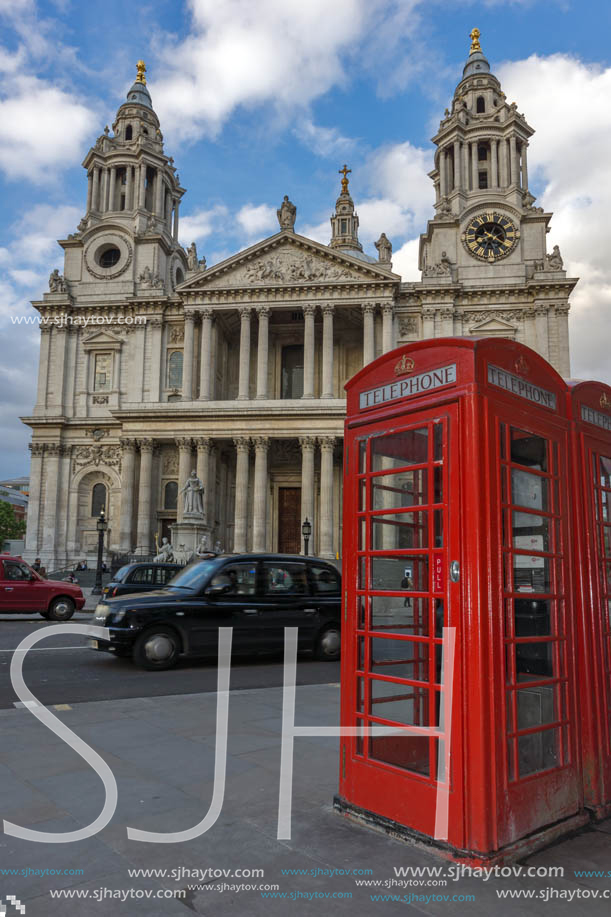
x: 60, y: 609
x: 328, y: 645
x: 157, y: 648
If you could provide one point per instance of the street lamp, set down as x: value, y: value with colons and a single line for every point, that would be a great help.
x: 101, y: 526
x: 306, y: 531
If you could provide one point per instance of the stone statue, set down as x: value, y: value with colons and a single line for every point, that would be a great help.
x: 218, y: 549
x: 202, y: 263
x: 286, y: 214
x: 203, y: 546
x: 554, y: 261
x: 192, y: 257
x: 57, y: 284
x: 149, y: 280
x: 166, y: 553
x: 194, y: 496
x: 384, y: 247
x: 445, y: 263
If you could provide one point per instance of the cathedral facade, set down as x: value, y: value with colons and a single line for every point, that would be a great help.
x: 153, y: 364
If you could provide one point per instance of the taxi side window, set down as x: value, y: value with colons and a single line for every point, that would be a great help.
x: 241, y: 579
x: 15, y: 571
x: 143, y: 575
x: 164, y: 575
x: 325, y: 580
x: 285, y: 579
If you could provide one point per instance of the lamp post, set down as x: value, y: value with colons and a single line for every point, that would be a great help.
x: 306, y: 531
x: 101, y: 526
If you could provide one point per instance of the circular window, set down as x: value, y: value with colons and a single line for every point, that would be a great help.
x: 108, y: 256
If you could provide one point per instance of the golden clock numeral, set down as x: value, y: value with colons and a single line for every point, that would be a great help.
x: 491, y: 256
x: 472, y: 244
x: 480, y: 252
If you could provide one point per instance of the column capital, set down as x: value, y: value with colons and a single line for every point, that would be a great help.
x: 184, y: 443
x: 55, y: 449
x: 191, y: 315
x: 327, y: 443
x: 36, y: 448
x: 127, y: 443
x: 242, y: 443
x: 368, y: 308
x: 309, y: 309
x: 206, y: 313
x: 203, y: 444
x: 245, y: 313
x: 541, y: 309
x: 261, y: 443
x: 146, y: 445
x: 327, y: 308
x: 307, y: 443
x: 45, y: 329
x: 155, y: 322
x: 263, y: 311
x: 562, y: 308
x: 388, y: 308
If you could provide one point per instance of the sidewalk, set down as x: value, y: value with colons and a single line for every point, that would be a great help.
x: 161, y: 751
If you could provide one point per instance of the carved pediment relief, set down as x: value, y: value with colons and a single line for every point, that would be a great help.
x: 104, y: 339
x: 288, y: 263
x: 494, y: 325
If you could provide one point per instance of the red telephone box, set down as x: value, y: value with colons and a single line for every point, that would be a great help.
x: 456, y: 516
x: 590, y: 411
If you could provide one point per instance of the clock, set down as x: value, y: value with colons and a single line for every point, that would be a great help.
x: 490, y: 236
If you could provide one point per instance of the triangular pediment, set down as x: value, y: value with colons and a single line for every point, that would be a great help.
x: 104, y: 338
x: 287, y: 259
x: 492, y: 326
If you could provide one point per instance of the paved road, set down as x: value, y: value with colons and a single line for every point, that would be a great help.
x: 62, y: 670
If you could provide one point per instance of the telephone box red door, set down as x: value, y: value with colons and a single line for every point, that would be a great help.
x: 590, y: 410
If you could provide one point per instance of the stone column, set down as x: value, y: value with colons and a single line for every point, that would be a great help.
x: 31, y: 538
x: 244, y: 377
x: 541, y: 330
x: 562, y: 328
x: 308, y: 445
x: 494, y: 157
x: 128, y: 476
x: 369, y: 343
x: 156, y: 326
x: 262, y: 352
x: 95, y: 191
x: 111, y: 192
x: 187, y: 363
x: 242, y: 445
x: 175, y: 230
x: 443, y: 177
x: 447, y: 320
x: 203, y: 445
x: 465, y: 165
x: 327, y: 445
x: 457, y: 166
x: 206, y: 342
x: 142, y: 185
x: 524, y: 167
x: 308, y: 351
x: 474, y: 166
x: 504, y: 164
x: 388, y: 336
x: 143, y: 536
x: 129, y: 188
x: 260, y: 505
x: 53, y: 451
x: 104, y: 191
x: 210, y: 495
x: 89, y: 190
x: 327, y: 351
x: 72, y: 527
x: 185, y: 446
x: 159, y: 193
x: 428, y: 323
x: 58, y: 368
x: 515, y: 177
x: 43, y: 367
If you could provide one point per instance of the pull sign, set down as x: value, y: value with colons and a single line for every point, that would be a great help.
x: 455, y: 571
x: 438, y: 577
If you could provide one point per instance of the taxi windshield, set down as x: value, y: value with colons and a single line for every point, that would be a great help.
x: 193, y: 577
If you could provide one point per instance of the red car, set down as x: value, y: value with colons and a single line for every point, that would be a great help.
x: 23, y: 591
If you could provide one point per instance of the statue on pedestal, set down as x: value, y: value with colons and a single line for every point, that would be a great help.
x: 166, y: 553
x: 194, y: 496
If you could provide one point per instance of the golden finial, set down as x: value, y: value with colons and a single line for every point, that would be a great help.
x: 140, y: 78
x: 475, y: 45
x: 345, y: 172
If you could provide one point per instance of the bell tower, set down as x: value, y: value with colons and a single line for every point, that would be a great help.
x: 345, y: 221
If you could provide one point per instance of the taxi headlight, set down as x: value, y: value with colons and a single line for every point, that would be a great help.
x: 101, y: 612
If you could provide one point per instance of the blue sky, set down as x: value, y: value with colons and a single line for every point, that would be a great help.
x: 261, y: 98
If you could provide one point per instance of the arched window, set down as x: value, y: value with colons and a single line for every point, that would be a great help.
x: 170, y: 495
x: 98, y: 499
x: 175, y: 369
x: 179, y: 276
x: 128, y: 132
x: 480, y: 105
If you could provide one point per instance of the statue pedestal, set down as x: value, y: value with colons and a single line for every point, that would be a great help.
x: 186, y: 535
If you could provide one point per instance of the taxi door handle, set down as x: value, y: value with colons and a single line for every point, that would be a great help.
x: 310, y: 611
x: 8, y: 588
x: 251, y: 611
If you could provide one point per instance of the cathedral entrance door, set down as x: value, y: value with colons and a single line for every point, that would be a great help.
x: 289, y: 522
x: 165, y: 529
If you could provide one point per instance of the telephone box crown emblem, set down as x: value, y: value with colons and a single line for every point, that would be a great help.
x: 404, y: 365
x: 521, y: 366
x: 604, y: 402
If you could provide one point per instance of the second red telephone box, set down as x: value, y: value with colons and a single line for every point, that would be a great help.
x: 456, y: 517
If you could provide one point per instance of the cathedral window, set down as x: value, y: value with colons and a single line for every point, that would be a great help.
x: 170, y: 495
x: 480, y: 105
x: 175, y: 359
x: 128, y: 132
x: 103, y: 372
x: 108, y: 256
x: 483, y: 180
x: 343, y: 227
x: 98, y: 499
x: 292, y: 371
x: 179, y: 276
x: 482, y: 152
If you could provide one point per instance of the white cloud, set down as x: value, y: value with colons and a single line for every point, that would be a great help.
x: 566, y: 101
x: 200, y: 223
x: 255, y: 220
x: 37, y: 232
x: 324, y: 141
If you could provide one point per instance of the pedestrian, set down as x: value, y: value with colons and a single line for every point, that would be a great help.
x: 407, y: 583
x: 36, y: 565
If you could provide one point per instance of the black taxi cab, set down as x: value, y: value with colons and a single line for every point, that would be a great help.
x: 258, y: 595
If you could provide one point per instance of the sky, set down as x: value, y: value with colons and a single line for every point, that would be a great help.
x: 262, y: 98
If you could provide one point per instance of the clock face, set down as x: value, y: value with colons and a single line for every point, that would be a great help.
x: 490, y: 236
